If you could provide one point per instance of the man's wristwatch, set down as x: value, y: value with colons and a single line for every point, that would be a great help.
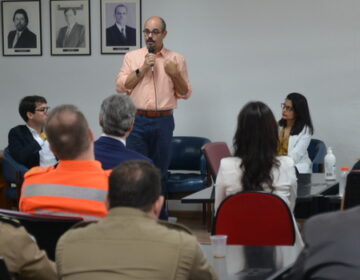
x: 137, y: 72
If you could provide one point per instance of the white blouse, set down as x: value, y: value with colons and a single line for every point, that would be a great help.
x: 228, y: 180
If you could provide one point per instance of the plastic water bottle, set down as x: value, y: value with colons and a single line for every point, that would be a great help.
x: 343, y: 177
x: 330, y: 165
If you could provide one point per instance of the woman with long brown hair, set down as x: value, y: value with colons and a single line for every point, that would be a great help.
x: 255, y: 165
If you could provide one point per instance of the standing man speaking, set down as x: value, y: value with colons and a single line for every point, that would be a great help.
x: 155, y: 78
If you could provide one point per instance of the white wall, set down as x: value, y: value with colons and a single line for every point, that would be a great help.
x: 236, y: 50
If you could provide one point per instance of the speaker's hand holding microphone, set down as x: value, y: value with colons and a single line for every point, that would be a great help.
x: 150, y: 57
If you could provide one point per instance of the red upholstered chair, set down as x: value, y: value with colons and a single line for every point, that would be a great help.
x: 214, y: 152
x: 255, y: 218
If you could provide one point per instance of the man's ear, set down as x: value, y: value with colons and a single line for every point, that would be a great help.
x: 100, y: 120
x: 91, y: 135
x: 157, y: 206
x: 131, y: 125
x: 30, y: 115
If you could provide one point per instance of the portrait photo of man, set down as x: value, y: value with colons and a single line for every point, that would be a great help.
x: 21, y: 37
x: 120, y: 33
x: 73, y: 34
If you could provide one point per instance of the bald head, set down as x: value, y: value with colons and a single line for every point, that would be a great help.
x: 68, y: 132
x: 157, y: 19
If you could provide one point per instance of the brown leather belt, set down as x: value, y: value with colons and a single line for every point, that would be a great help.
x: 154, y: 114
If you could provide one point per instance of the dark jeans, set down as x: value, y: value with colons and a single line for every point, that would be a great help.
x: 152, y: 138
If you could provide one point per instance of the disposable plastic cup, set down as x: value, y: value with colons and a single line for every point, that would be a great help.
x: 218, y: 245
x: 172, y: 220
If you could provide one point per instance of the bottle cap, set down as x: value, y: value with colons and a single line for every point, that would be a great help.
x: 344, y: 168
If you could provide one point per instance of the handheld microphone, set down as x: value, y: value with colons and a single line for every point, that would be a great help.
x: 152, y: 49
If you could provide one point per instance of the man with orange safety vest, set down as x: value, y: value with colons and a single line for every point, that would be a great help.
x: 78, y: 186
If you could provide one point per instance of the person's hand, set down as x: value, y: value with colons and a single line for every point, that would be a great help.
x: 149, y: 61
x: 170, y: 67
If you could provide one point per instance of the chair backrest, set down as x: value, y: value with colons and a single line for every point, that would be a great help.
x: 46, y: 229
x: 317, y: 152
x: 352, y: 190
x: 214, y: 152
x: 256, y: 219
x: 4, y: 272
x: 12, y: 170
x: 186, y: 153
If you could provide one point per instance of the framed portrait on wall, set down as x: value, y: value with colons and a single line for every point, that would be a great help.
x: 70, y: 27
x: 21, y: 28
x: 120, y: 26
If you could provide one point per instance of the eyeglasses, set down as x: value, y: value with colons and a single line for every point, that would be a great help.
x: 286, y: 108
x: 154, y: 32
x: 43, y: 109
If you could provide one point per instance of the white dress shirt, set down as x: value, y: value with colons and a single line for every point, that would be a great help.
x: 47, y: 158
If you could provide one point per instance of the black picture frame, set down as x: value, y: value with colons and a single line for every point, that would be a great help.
x: 70, y: 32
x: 26, y: 39
x: 112, y: 40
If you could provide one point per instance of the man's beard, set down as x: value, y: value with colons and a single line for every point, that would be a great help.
x: 20, y: 27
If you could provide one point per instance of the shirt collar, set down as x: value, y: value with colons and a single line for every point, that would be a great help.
x: 127, y: 211
x: 78, y: 165
x: 120, y: 26
x: 33, y: 131
x: 164, y: 51
x: 121, y: 139
x: 70, y: 27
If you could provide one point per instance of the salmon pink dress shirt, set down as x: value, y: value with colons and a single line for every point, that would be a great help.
x: 155, y: 91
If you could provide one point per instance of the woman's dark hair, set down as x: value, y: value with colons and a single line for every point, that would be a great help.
x: 302, y: 114
x: 256, y: 142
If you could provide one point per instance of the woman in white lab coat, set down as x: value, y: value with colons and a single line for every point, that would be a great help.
x: 296, y: 131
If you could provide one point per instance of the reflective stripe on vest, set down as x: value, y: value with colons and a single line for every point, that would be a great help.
x: 65, y: 191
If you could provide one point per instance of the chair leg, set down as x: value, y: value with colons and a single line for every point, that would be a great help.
x: 204, y: 214
x: 208, y: 216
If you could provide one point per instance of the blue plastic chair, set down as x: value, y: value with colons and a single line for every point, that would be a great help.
x: 317, y: 152
x: 186, y: 156
x: 13, y: 174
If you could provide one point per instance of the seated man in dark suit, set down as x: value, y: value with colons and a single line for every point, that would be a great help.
x: 22, y: 37
x: 72, y: 35
x: 117, y: 115
x: 27, y: 143
x: 120, y: 34
x: 332, y: 249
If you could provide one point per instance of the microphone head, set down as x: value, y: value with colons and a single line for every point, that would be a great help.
x: 151, y: 49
